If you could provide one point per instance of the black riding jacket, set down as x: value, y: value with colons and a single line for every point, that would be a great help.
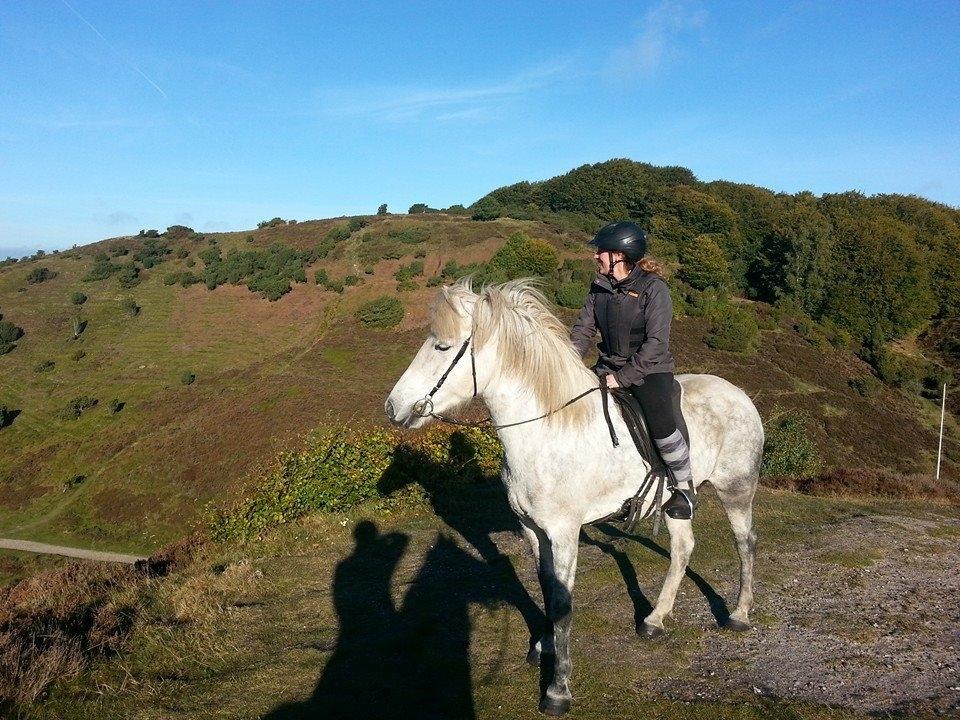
x: 633, y: 317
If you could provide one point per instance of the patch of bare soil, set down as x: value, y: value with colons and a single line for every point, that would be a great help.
x: 867, y: 618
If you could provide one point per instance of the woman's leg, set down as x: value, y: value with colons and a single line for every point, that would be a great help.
x: 656, y: 398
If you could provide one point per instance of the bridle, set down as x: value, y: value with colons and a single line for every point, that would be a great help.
x: 424, y: 406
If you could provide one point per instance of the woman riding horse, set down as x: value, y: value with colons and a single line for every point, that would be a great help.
x: 629, y: 302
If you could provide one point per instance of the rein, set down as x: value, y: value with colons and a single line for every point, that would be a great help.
x: 424, y: 406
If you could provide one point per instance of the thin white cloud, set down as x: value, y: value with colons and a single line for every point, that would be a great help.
x: 655, y: 41
x: 398, y: 104
x: 120, y: 218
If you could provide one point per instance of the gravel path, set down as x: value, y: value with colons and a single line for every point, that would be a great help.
x: 867, y: 618
x: 36, y: 547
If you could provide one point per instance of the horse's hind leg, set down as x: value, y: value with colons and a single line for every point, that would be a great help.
x: 739, y: 507
x: 681, y: 546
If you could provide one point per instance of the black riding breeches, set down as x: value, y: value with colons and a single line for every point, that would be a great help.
x: 655, y: 394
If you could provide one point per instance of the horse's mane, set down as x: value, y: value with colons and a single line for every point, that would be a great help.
x: 534, y: 345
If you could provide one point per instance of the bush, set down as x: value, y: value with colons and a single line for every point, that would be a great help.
x: 368, y: 270
x: 788, y: 449
x: 382, y: 312
x: 486, y: 209
x: 152, y: 253
x: 865, y: 386
x: 181, y: 253
x: 356, y: 223
x: 76, y: 407
x: 38, y: 275
x: 435, y: 281
x: 101, y: 270
x: 382, y: 210
x: 116, y: 406
x: 9, y: 333
x: 177, y: 232
x: 521, y: 256
x: 45, y: 366
x: 130, y: 307
x: 341, y: 467
x: 733, y: 329
x: 571, y: 295
x: 6, y: 416
x: 129, y: 276
x: 275, y: 222
x: 352, y: 280
x: 188, y: 378
x: 78, y: 298
x: 407, y: 286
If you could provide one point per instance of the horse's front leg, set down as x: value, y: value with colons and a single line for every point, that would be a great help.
x: 540, y: 546
x: 563, y: 545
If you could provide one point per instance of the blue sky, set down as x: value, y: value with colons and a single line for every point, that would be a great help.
x: 121, y: 116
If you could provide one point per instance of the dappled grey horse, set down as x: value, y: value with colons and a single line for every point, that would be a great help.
x: 561, y: 471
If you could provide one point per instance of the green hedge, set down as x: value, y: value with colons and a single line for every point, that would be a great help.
x: 382, y: 312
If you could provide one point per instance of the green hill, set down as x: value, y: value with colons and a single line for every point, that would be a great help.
x: 135, y: 473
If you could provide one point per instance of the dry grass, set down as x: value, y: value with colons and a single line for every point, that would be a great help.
x: 870, y: 482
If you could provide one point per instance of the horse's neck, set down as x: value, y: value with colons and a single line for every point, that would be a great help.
x: 512, y: 402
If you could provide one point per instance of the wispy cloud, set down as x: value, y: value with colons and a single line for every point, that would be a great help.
x: 120, y: 218
x: 655, y: 40
x: 398, y: 104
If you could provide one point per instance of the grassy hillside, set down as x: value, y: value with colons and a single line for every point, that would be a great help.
x: 268, y: 371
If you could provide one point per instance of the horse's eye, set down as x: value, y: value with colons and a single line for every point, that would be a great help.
x: 441, y: 347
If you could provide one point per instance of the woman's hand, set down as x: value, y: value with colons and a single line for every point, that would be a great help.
x: 612, y: 381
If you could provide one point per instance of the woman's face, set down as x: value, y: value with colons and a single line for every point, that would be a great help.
x: 606, y: 259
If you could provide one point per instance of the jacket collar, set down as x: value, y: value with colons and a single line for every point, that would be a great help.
x: 633, y: 281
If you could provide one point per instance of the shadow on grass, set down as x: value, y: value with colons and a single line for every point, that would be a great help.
x: 410, y: 661
x: 641, y: 606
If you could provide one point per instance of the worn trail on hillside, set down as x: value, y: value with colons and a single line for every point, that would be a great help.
x: 45, y: 549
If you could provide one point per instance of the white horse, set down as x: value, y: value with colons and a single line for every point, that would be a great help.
x: 562, y: 472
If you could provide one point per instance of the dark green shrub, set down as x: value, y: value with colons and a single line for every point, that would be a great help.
x: 188, y: 378
x: 39, y: 274
x: 45, y: 366
x: 321, y: 277
x: 352, y: 280
x: 435, y: 281
x: 356, y: 223
x: 571, y: 295
x: 178, y: 232
x: 521, y: 256
x: 407, y: 286
x: 181, y: 253
x: 76, y: 407
x: 129, y: 276
x: 273, y: 287
x: 152, y: 253
x: 78, y: 298
x: 149, y: 233
x: 733, y: 329
x: 171, y: 278
x: 9, y: 332
x: 406, y: 272
x: 382, y: 312
x: 486, y: 209
x: 6, y: 347
x: 788, y: 449
x: 382, y: 210
x: 275, y: 222
x: 116, y: 406
x: 101, y: 270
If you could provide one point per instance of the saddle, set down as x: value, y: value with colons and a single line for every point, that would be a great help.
x: 659, y: 472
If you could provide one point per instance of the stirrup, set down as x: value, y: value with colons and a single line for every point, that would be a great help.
x: 679, y: 506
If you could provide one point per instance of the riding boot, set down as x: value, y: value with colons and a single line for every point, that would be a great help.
x: 676, y: 454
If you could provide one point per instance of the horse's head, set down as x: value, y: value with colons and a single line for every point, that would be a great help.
x: 451, y: 327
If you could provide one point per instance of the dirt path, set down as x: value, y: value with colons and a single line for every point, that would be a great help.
x: 44, y: 548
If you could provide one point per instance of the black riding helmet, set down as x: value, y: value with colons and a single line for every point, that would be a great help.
x: 627, y: 237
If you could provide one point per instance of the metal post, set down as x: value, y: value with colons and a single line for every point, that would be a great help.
x: 943, y: 407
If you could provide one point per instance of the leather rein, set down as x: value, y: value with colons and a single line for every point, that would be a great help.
x: 424, y: 406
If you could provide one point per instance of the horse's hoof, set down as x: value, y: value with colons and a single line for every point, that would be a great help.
x: 533, y: 657
x: 651, y: 632
x: 552, y: 706
x: 735, y: 625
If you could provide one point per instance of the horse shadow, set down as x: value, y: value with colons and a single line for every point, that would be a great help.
x: 410, y: 661
x: 641, y: 606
